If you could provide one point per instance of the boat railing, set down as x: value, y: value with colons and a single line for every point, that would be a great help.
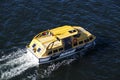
x: 52, y: 43
x: 45, y: 33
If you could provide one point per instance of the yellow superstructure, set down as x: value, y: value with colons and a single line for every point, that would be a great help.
x: 52, y: 41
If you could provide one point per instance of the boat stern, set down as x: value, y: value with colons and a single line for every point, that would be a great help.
x: 36, y: 49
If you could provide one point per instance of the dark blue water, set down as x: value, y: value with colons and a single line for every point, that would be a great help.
x: 21, y: 20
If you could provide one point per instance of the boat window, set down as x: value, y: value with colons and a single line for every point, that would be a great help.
x: 33, y: 45
x: 38, y: 50
x: 77, y: 35
x: 75, y: 44
x: 54, y: 51
x: 91, y: 38
x: 60, y: 49
x: 87, y: 40
x: 80, y: 42
x: 50, y: 52
x: 72, y: 31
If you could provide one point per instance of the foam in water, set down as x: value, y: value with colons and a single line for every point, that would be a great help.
x: 17, y: 65
x: 46, y: 72
x: 12, y: 55
x: 17, y: 62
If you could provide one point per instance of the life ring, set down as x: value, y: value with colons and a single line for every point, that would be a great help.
x: 44, y: 33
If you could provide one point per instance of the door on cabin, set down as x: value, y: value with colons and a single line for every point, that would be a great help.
x: 67, y: 43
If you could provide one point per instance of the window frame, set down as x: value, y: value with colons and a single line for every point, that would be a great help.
x: 39, y: 49
x: 33, y: 45
x: 50, y: 52
x: 61, y: 49
x: 86, y: 40
x: 90, y: 38
x: 81, y: 42
x: 55, y: 51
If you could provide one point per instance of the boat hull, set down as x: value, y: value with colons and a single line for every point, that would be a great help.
x: 64, y: 54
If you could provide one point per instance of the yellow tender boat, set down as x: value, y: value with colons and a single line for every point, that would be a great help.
x: 60, y: 42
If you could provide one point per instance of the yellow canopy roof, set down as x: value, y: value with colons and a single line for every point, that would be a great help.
x: 62, y: 32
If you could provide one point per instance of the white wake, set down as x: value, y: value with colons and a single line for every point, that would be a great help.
x: 47, y: 72
x: 17, y: 65
x: 19, y: 61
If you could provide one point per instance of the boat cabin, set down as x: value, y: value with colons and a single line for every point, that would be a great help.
x: 57, y: 40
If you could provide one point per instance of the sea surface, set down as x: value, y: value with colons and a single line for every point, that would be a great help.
x: 21, y: 20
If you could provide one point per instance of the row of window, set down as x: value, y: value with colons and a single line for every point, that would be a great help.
x: 55, y: 51
x: 81, y: 42
x: 60, y: 49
